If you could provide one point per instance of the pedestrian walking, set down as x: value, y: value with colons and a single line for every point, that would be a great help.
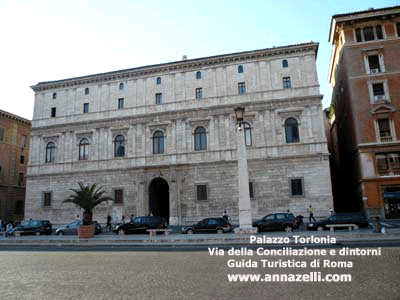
x: 108, y: 226
x: 132, y: 217
x: 225, y: 216
x: 311, y: 212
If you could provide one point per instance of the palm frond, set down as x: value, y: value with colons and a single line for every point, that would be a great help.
x: 87, y: 197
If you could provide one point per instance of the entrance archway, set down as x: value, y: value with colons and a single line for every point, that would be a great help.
x: 159, y: 198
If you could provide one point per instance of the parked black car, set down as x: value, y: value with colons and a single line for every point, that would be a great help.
x: 358, y: 219
x: 218, y: 225
x: 37, y: 227
x: 277, y: 221
x: 141, y: 224
x: 72, y: 228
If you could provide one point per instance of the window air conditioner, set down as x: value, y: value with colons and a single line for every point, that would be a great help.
x: 374, y: 71
x: 380, y: 97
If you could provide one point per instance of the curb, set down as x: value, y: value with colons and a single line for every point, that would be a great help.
x: 193, y: 241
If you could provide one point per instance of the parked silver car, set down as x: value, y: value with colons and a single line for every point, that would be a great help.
x: 72, y: 228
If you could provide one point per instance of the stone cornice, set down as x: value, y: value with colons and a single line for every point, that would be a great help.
x: 184, y: 65
x: 15, y: 118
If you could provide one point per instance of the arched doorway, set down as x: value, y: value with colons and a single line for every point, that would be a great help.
x: 159, y: 198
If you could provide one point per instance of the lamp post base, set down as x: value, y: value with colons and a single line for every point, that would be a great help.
x: 245, y: 230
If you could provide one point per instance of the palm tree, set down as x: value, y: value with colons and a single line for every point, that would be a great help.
x: 87, y: 198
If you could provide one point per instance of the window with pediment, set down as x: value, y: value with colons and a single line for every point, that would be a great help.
x: 83, y: 149
x: 247, y: 134
x: 200, y: 139
x: 292, y: 130
x: 158, y: 142
x: 119, y: 146
x: 50, y: 152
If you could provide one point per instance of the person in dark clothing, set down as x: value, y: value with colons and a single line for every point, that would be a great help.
x: 108, y: 226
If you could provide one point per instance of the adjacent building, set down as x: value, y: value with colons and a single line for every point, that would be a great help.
x: 365, y: 119
x: 162, y: 138
x: 14, y: 153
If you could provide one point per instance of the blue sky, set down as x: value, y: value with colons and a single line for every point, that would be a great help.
x: 51, y: 40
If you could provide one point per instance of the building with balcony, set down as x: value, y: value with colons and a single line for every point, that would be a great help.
x: 14, y: 153
x: 365, y: 123
x: 162, y: 138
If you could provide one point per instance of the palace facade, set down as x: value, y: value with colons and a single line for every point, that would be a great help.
x: 162, y: 138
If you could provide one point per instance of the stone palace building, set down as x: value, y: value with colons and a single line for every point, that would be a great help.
x: 162, y: 138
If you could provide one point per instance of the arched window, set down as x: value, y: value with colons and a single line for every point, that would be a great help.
x: 158, y: 80
x: 54, y: 95
x: 86, y: 91
x: 198, y: 75
x: 200, y: 139
x: 292, y: 130
x: 83, y: 149
x: 119, y: 146
x: 50, y: 152
x: 247, y: 134
x: 121, y: 86
x: 240, y: 69
x: 158, y: 142
x: 285, y: 63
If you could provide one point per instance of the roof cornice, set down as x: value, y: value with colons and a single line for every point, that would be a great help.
x: 360, y: 16
x: 14, y: 117
x: 183, y: 65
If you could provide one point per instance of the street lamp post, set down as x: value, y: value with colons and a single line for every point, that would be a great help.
x: 245, y: 220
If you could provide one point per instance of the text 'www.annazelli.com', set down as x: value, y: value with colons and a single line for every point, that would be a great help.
x: 308, y: 277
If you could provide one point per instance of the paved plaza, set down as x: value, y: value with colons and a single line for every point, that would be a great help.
x: 182, y: 275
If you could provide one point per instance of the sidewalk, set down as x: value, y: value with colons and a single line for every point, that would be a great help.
x: 393, y: 234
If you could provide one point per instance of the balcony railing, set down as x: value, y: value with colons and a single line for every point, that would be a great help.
x: 386, y: 139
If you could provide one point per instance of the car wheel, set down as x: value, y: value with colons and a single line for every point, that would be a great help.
x: 288, y: 228
x: 121, y: 232
x: 220, y: 231
x: 356, y: 227
x: 189, y: 231
x: 60, y: 233
x: 320, y: 228
x: 38, y: 233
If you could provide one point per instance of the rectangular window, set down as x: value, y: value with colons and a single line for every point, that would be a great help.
x: 53, y: 112
x: 296, y: 186
x: 199, y: 93
x: 251, y: 190
x: 118, y: 196
x: 202, y: 192
x: 85, y: 108
x: 47, y: 199
x: 384, y: 130
x: 242, y: 87
x: 379, y: 32
x: 398, y: 29
x: 159, y: 98
x: 358, y: 35
x: 388, y: 163
x: 121, y: 103
x: 373, y: 62
x: 22, y: 160
x: 23, y: 141
x: 287, y: 84
x: 378, y: 91
x: 1, y: 134
x: 368, y: 33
